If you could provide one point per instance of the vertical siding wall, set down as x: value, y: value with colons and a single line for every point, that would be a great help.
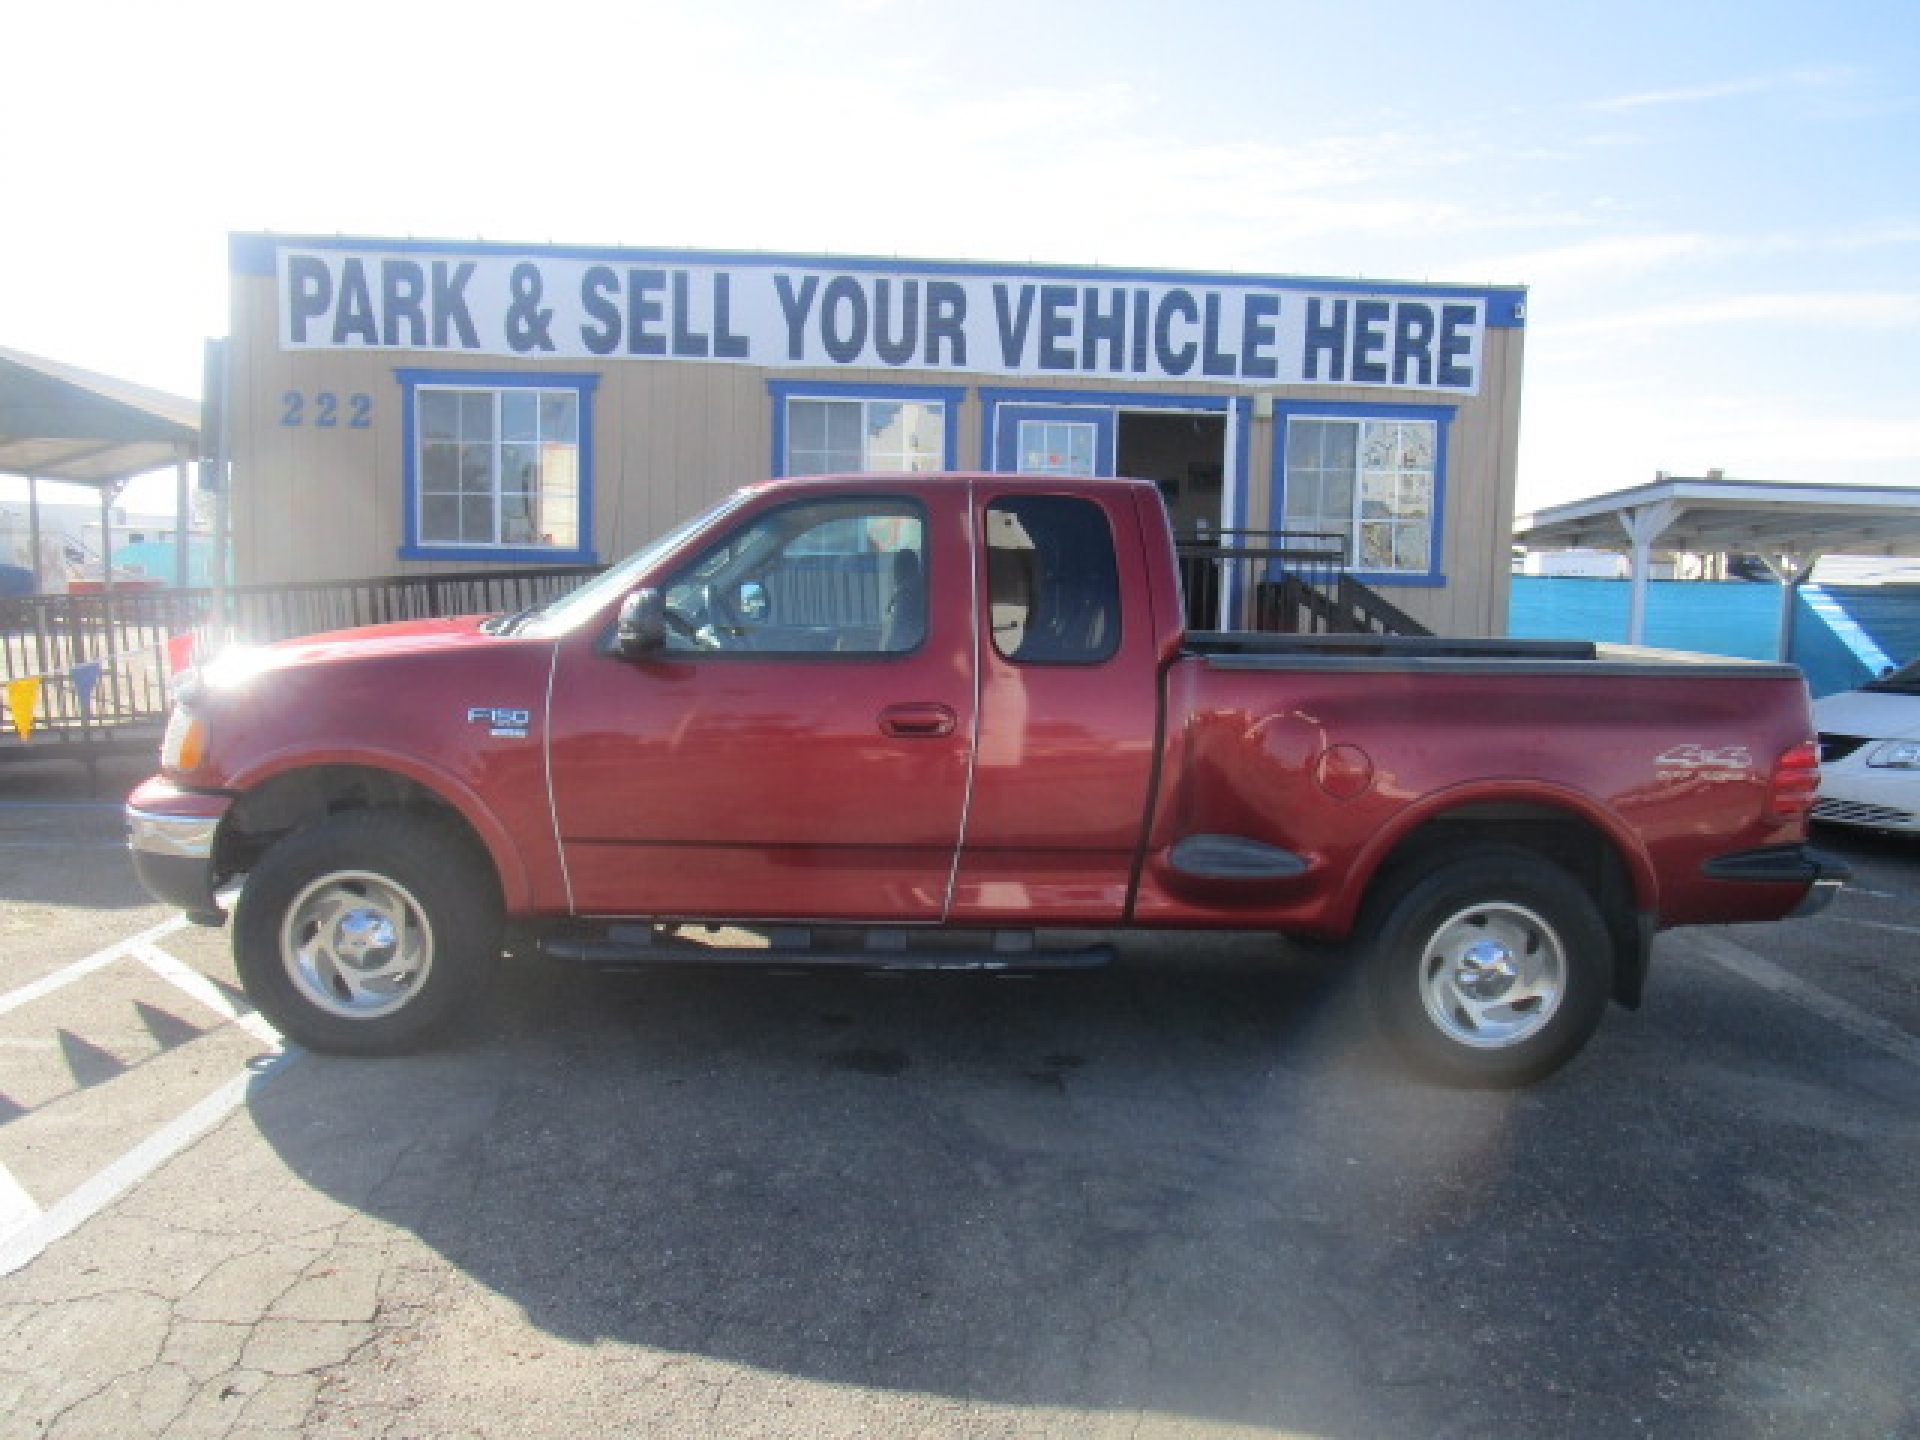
x: 1477, y: 540
x: 313, y: 503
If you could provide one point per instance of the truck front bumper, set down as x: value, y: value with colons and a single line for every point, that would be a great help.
x: 171, y: 834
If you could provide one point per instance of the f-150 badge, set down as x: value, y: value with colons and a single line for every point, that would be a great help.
x: 501, y: 723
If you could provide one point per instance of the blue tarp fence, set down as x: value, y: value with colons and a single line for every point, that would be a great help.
x: 1842, y: 634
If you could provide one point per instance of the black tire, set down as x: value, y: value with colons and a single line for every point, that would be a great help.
x: 1490, y: 970
x: 361, y: 933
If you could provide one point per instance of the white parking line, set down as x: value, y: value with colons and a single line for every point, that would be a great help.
x: 1769, y: 976
x: 21, y: 1243
x: 1876, y: 925
x: 26, y: 1229
x: 101, y: 805
x: 185, y: 977
x: 80, y: 969
x: 65, y: 847
x: 17, y: 1207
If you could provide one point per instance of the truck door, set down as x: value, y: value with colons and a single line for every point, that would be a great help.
x: 800, y: 747
x: 1068, y: 712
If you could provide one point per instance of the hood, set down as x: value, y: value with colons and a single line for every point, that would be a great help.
x: 241, y: 663
x: 1866, y: 713
x: 365, y: 642
x: 413, y: 688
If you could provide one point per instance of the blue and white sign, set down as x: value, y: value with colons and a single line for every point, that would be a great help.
x: 1106, y: 325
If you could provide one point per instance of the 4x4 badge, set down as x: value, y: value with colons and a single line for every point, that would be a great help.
x: 1702, y: 762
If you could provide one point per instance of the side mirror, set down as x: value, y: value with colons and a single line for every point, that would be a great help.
x: 754, y: 603
x: 642, y: 628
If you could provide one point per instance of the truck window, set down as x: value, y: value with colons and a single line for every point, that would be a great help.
x: 1053, y: 590
x: 840, y: 577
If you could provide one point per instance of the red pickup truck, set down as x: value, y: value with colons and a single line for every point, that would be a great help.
x: 924, y: 720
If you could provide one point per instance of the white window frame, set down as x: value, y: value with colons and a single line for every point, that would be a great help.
x: 1068, y: 428
x: 942, y: 401
x: 921, y: 459
x: 574, y: 453
x: 1351, y: 526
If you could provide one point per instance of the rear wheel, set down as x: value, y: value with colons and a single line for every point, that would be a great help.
x: 361, y: 933
x: 1490, y: 970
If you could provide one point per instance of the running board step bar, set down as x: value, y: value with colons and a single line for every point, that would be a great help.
x: 793, y: 947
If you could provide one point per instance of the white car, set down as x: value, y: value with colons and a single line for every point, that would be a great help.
x: 1870, y: 753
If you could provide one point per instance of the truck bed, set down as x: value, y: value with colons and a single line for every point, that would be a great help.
x: 1251, y: 651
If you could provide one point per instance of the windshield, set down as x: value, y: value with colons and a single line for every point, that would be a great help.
x: 570, y: 609
x: 1904, y: 681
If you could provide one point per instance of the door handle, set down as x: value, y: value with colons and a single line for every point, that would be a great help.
x: 924, y: 720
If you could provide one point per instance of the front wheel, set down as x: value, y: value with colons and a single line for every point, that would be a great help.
x: 1491, y: 970
x: 360, y: 933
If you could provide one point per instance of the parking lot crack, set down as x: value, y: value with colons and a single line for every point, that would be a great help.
x: 57, y: 1420
x: 247, y: 1286
x: 110, y: 1383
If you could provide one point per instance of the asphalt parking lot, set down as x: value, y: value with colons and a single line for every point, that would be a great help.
x: 1173, y: 1198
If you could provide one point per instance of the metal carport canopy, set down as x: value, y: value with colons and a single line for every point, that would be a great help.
x: 1789, y: 525
x: 59, y: 422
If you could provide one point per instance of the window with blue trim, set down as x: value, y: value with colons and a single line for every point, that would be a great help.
x: 1049, y: 447
x: 837, y: 436
x: 1375, y: 482
x: 497, y: 465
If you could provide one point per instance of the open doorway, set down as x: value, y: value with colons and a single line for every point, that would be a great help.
x: 1184, y: 453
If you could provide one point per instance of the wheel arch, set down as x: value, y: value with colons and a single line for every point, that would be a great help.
x: 275, y: 800
x: 1563, y: 828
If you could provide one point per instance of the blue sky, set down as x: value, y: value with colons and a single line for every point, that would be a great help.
x: 1716, y: 206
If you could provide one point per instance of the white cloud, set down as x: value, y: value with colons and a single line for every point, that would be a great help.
x: 1727, y: 89
x: 1579, y: 269
x: 1034, y: 111
x: 1609, y: 257
x: 1827, y: 310
x: 1588, y: 437
x: 1876, y: 236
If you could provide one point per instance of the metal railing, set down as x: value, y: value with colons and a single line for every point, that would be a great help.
x: 1281, y: 582
x: 94, y: 671
x: 80, y: 669
x: 1225, y: 573
x: 257, y: 614
x: 1347, y: 607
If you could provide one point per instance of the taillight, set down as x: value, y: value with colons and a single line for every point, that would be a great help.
x: 1796, y: 779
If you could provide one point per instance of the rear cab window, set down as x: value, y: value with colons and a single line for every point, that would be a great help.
x: 1053, y: 587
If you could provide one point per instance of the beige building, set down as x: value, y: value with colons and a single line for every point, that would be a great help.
x: 399, y: 406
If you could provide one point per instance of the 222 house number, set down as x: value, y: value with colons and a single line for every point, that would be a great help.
x: 325, y: 410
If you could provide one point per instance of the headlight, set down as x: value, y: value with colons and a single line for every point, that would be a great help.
x: 185, y: 745
x: 1896, y: 755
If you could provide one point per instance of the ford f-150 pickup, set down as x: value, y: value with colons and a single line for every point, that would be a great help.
x: 926, y: 720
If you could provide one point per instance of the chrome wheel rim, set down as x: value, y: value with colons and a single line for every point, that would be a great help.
x: 1493, y: 975
x: 357, y: 944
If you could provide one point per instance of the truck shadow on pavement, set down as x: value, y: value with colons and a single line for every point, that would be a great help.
x: 1179, y: 1186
